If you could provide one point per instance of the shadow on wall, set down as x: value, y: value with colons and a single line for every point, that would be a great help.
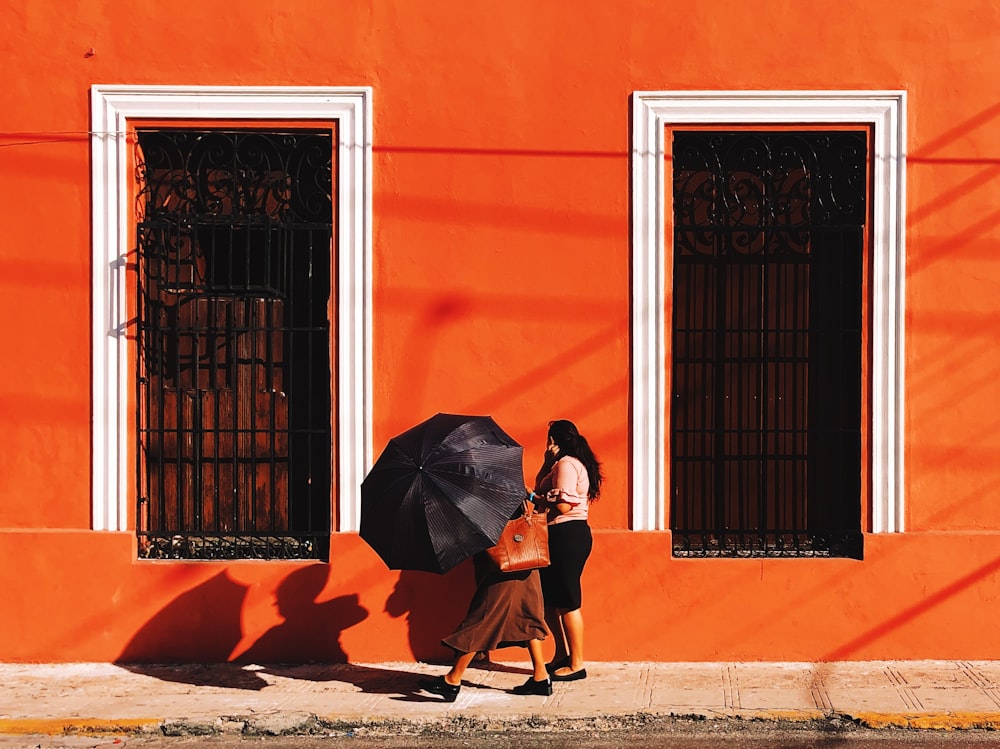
x: 194, y: 638
x: 199, y: 626
x: 202, y: 627
x: 310, y: 632
x: 433, y: 605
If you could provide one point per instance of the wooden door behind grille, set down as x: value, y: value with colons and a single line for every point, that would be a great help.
x: 220, y: 445
x: 234, y: 362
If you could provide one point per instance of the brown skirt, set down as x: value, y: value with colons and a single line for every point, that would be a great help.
x: 505, y: 610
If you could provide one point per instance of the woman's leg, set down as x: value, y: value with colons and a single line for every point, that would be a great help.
x: 572, y: 622
x: 537, y: 655
x: 454, y: 676
x: 555, y: 625
x: 572, y: 619
x: 539, y: 682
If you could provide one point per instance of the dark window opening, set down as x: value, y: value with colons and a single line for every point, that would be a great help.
x: 765, y: 406
x: 233, y: 344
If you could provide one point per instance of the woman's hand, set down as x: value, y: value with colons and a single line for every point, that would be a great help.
x: 538, y: 501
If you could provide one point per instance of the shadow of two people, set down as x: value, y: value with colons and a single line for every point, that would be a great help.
x: 192, y: 639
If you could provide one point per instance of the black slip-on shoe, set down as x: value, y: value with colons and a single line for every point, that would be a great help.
x: 571, y: 676
x: 543, y: 687
x: 439, y: 686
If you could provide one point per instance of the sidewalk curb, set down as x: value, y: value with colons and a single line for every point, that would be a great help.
x: 74, y: 726
x: 301, y: 724
x: 958, y: 721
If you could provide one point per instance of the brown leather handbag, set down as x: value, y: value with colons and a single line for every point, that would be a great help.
x: 523, y: 545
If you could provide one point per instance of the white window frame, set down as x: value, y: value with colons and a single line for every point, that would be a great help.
x: 652, y: 113
x: 112, y: 107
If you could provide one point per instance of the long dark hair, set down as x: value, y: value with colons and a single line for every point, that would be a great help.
x: 570, y: 442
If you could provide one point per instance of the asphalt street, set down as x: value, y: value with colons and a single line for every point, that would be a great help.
x: 729, y: 736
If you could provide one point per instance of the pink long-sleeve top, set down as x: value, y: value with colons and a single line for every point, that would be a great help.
x: 569, y: 477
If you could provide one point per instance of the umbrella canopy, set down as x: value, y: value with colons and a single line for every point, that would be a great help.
x: 441, y: 492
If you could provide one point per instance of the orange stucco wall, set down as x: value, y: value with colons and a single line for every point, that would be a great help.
x: 501, y: 285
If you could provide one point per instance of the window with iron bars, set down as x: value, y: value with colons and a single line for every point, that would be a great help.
x: 233, y: 343
x: 765, y: 407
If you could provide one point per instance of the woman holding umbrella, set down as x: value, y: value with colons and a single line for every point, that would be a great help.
x: 568, y: 481
x: 506, y: 610
x: 440, y: 492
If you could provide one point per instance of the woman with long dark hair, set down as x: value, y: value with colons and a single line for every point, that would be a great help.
x: 568, y: 481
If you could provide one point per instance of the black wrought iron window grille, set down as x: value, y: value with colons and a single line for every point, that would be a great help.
x: 765, y: 403
x: 234, y: 369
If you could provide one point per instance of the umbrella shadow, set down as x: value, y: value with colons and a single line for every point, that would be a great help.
x: 179, y: 633
x: 432, y: 605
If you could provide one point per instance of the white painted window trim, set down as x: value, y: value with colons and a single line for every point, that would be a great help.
x: 652, y: 113
x: 111, y: 109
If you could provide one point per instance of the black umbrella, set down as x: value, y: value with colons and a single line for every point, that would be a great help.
x: 440, y: 492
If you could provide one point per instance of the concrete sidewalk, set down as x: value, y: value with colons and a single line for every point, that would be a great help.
x: 93, y: 698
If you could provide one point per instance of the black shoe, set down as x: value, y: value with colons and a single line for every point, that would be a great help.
x: 439, y: 686
x: 555, y: 665
x: 543, y: 687
x: 571, y: 676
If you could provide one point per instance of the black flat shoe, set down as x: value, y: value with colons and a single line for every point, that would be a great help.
x: 531, y: 686
x: 556, y: 665
x: 571, y: 676
x: 440, y: 687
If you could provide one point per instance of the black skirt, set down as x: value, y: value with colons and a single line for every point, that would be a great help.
x: 570, y: 544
